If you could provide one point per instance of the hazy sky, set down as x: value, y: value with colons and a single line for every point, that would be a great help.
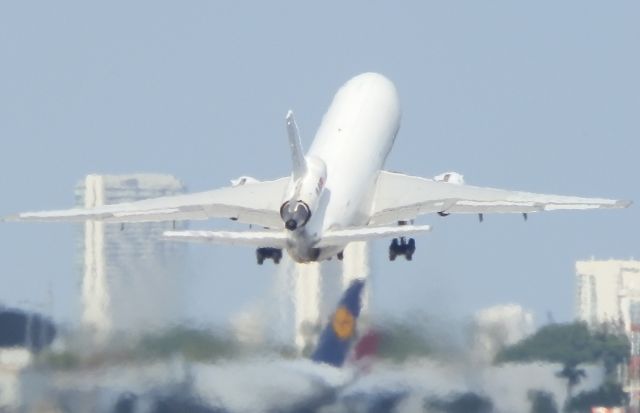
x: 540, y: 96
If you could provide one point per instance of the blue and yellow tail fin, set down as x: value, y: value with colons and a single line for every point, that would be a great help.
x: 336, y: 338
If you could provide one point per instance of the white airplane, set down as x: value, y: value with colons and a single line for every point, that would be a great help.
x: 336, y: 194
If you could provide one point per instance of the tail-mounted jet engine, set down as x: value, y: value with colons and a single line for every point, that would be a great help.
x: 304, y: 194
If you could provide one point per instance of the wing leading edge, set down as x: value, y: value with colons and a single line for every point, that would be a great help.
x: 254, y: 203
x: 403, y: 197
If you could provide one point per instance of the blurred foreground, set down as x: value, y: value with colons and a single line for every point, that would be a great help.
x: 488, y: 364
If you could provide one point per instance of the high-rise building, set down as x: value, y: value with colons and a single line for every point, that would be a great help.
x: 132, y: 279
x: 608, y: 292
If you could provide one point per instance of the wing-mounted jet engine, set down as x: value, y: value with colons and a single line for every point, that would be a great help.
x: 243, y: 180
x: 450, y: 177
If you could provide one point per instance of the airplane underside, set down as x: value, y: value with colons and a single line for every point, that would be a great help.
x: 398, y: 247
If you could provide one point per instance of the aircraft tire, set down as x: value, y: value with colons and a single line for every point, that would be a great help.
x: 411, y: 246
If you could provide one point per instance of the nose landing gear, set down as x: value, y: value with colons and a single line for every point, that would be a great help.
x: 268, y: 253
x: 400, y: 246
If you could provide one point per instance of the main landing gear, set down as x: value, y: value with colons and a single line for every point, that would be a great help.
x: 268, y: 253
x: 400, y: 246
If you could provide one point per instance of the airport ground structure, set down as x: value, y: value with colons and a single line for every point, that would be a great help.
x: 129, y: 275
x: 608, y: 293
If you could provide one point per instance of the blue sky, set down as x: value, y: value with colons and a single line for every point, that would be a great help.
x: 538, y: 96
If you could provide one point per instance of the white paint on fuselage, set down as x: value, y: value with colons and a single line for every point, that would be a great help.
x: 354, y: 139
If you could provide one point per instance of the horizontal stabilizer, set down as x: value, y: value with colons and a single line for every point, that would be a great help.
x: 343, y: 236
x: 275, y: 239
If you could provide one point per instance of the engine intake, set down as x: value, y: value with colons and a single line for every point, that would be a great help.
x: 295, y: 215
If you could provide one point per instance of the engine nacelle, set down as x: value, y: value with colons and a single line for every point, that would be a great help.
x: 451, y: 177
x: 243, y: 180
x: 304, y: 194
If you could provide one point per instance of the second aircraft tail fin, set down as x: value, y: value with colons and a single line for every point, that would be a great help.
x: 336, y: 339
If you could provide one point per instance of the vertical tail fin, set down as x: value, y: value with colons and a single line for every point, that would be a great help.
x: 297, y: 156
x: 337, y: 337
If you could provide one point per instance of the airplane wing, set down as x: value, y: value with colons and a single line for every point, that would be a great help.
x: 402, y: 197
x: 253, y: 203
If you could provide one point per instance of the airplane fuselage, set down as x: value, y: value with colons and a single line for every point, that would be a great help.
x: 353, y: 140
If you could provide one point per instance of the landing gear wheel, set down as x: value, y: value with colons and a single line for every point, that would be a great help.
x: 410, y: 249
x: 268, y: 253
x: 393, y: 249
x: 277, y: 256
x: 340, y: 255
x: 402, y: 247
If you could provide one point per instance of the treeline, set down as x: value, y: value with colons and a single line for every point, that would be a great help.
x: 571, y: 345
x: 23, y: 329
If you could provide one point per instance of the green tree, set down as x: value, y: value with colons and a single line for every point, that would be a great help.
x: 542, y: 402
x: 573, y: 375
x: 608, y: 395
x: 194, y: 344
x: 570, y: 344
x: 399, y: 341
x: 460, y: 403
